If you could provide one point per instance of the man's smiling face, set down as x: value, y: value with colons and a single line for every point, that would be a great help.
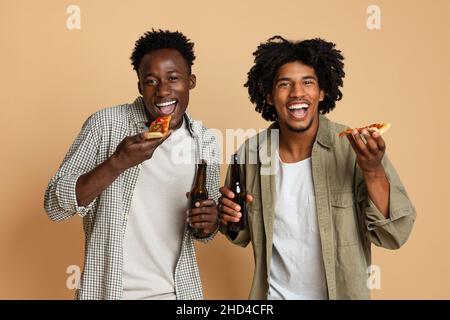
x: 296, y: 96
x: 164, y: 82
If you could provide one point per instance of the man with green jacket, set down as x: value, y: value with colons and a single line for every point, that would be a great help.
x: 316, y: 202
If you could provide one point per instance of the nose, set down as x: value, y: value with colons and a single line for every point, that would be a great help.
x: 297, y: 91
x: 163, y: 89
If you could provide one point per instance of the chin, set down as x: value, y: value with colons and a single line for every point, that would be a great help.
x: 299, y: 127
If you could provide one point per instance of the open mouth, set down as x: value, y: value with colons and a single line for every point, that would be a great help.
x: 298, y: 111
x: 167, y: 108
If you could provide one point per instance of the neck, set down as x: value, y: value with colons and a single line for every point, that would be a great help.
x: 296, y: 146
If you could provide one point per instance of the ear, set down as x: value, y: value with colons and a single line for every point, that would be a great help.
x: 139, y: 87
x: 321, y: 95
x: 269, y: 99
x: 192, y: 81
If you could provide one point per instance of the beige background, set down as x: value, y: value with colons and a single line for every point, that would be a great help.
x: 54, y: 78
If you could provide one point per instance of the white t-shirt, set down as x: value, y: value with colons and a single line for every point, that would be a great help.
x: 297, y: 269
x: 156, y: 220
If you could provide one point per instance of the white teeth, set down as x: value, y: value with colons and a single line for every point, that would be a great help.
x: 298, y: 106
x: 165, y: 104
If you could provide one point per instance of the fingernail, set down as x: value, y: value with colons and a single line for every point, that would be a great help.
x: 197, y: 204
x: 237, y: 208
x: 364, y: 132
x: 187, y: 212
x: 239, y: 214
x: 355, y: 132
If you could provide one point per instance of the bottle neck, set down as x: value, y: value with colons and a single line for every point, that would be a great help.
x: 235, y: 174
x: 200, y: 177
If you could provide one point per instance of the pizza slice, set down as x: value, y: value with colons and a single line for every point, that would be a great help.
x: 375, y: 127
x: 158, y: 128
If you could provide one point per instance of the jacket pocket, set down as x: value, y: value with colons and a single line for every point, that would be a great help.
x: 344, y: 218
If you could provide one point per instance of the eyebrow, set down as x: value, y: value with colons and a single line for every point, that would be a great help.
x: 152, y: 75
x: 303, y: 78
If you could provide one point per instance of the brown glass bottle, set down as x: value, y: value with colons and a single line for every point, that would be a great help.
x: 199, y: 191
x: 237, y: 186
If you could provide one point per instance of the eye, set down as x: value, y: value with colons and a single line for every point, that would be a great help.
x: 173, y: 78
x: 308, y: 82
x: 283, y: 84
x: 151, y: 82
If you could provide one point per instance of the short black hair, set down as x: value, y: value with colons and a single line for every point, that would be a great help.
x: 162, y: 39
x: 277, y: 51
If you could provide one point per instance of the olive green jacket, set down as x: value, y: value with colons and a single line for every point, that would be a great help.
x: 348, y: 220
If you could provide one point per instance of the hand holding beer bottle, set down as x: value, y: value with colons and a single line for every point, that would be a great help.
x: 232, y: 203
x: 202, y: 215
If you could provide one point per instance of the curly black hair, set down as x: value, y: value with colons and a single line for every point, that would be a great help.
x: 277, y: 51
x: 161, y: 39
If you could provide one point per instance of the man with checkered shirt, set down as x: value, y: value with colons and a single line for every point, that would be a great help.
x: 131, y: 192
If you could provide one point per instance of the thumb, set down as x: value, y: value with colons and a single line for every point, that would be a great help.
x: 249, y: 198
x: 138, y: 138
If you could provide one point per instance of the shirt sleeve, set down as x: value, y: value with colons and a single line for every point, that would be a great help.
x: 60, y: 200
x: 391, y: 232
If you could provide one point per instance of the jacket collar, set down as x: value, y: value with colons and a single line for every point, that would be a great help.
x: 324, y: 135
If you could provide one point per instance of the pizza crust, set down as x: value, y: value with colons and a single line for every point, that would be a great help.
x: 153, y: 135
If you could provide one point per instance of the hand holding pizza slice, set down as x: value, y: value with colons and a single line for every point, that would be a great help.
x: 368, y: 145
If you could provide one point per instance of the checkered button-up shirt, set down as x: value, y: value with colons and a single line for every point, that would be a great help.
x: 104, y: 220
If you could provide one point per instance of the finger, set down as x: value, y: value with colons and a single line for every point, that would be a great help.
x: 205, y: 226
x: 379, y: 141
x: 138, y: 138
x: 205, y: 203
x: 148, y: 146
x: 158, y: 141
x: 249, y: 198
x: 359, y: 143
x: 228, y: 212
x: 201, y: 218
x: 226, y: 192
x: 225, y: 217
x: 225, y: 202
x: 207, y: 222
x: 202, y: 210
x: 371, y: 144
x: 353, y: 144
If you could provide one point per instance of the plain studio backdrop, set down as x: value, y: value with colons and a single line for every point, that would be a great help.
x: 58, y: 69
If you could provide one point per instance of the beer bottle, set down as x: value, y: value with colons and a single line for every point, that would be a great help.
x: 198, y: 191
x: 237, y: 186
